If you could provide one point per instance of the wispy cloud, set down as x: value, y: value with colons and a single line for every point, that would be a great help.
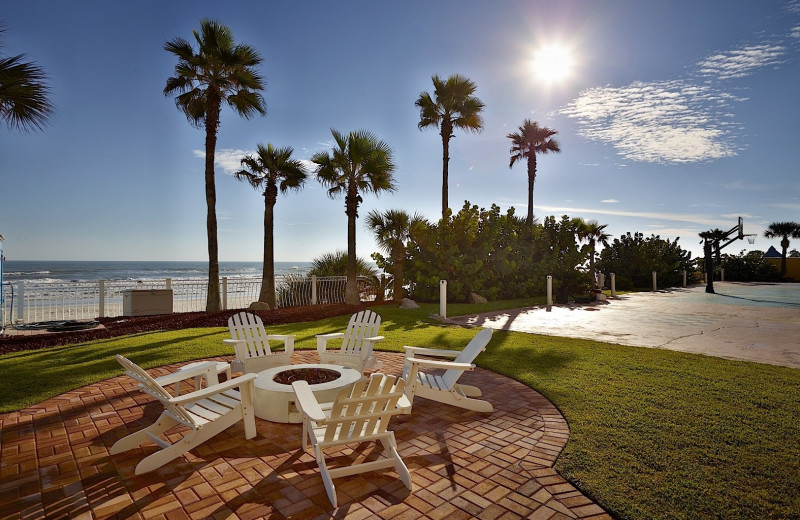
x: 684, y: 120
x: 229, y: 159
x: 610, y: 201
x: 738, y: 63
x: 693, y: 218
x: 786, y: 205
x: 660, y: 122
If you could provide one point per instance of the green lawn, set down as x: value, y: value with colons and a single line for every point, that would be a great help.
x: 655, y: 434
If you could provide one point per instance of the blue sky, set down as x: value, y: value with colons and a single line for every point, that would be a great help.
x: 677, y: 117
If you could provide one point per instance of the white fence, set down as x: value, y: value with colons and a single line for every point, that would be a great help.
x: 28, y: 302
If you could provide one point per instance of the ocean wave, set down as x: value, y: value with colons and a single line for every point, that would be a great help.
x: 25, y: 273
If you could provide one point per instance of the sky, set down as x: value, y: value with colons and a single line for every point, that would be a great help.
x: 674, y: 118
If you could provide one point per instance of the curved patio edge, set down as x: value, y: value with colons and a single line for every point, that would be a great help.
x: 55, y: 462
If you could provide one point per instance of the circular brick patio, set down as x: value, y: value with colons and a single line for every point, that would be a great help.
x: 54, y: 462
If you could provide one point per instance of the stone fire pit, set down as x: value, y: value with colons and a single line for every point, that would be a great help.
x: 275, y: 399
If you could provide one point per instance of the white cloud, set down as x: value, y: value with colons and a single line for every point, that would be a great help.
x: 705, y: 220
x: 660, y: 122
x: 229, y: 159
x: 795, y: 31
x: 786, y: 206
x: 610, y: 201
x: 738, y: 63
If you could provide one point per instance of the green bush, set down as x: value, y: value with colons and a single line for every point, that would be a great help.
x: 633, y: 258
x: 496, y: 255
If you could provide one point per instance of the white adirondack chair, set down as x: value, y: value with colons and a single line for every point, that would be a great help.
x: 205, y: 412
x: 357, y: 343
x: 251, y: 344
x: 445, y: 388
x: 360, y: 413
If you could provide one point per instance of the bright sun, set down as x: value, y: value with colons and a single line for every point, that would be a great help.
x: 552, y: 64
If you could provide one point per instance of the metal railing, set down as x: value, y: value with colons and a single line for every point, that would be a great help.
x: 46, y: 301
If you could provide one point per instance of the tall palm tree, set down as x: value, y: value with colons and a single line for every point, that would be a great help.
x: 451, y: 107
x: 784, y: 230
x: 593, y: 232
x: 392, y: 230
x: 24, y: 103
x: 219, y: 71
x: 272, y: 170
x: 531, y: 139
x: 359, y: 163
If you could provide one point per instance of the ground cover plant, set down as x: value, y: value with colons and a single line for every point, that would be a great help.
x: 655, y: 434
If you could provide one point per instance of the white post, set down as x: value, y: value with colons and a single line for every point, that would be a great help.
x: 655, y: 288
x: 101, y: 301
x: 613, y: 285
x: 684, y: 278
x: 313, y: 289
x: 722, y: 275
x: 549, y: 292
x: 602, y: 279
x: 443, y: 298
x: 224, y: 293
x: 21, y: 302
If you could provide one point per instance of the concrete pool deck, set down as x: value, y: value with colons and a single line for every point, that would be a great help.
x: 749, y: 322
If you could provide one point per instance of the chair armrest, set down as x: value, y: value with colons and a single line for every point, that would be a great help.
x: 433, y: 352
x: 239, y: 348
x: 203, y: 369
x: 288, y: 341
x: 214, y: 389
x: 447, y: 365
x: 322, y: 339
x: 307, y: 402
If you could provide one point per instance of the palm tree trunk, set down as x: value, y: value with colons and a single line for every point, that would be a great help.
x: 351, y: 296
x: 398, y: 256
x: 591, y: 261
x: 212, y: 123
x: 268, y: 270
x: 445, y: 170
x: 784, y: 247
x: 531, y: 181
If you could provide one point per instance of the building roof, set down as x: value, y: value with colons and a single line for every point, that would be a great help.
x: 772, y: 253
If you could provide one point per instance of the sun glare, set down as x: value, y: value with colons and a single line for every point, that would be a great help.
x: 552, y: 64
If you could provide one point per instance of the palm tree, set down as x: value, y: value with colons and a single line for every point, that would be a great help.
x: 219, y: 71
x: 525, y: 144
x: 359, y: 163
x: 24, y: 103
x: 392, y: 230
x: 452, y: 106
x: 593, y: 232
x: 784, y: 230
x: 273, y: 170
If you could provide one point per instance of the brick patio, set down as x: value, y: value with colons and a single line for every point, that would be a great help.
x: 54, y: 462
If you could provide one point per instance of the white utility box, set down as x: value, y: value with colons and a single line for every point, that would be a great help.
x: 146, y: 302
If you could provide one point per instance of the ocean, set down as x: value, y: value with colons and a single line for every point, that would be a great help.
x: 34, y: 271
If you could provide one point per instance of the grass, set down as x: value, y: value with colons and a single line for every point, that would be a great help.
x: 655, y: 434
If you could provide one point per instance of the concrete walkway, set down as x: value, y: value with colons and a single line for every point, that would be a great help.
x: 750, y: 322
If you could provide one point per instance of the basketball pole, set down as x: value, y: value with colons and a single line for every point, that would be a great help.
x: 711, y: 247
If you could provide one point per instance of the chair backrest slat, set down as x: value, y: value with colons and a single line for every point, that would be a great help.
x: 365, y: 408
x: 249, y: 328
x: 363, y: 324
x: 468, y: 355
x: 151, y: 387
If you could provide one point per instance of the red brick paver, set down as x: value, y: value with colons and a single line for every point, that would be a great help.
x: 54, y: 462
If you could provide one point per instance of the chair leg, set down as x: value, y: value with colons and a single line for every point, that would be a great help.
x: 390, y: 450
x: 326, y: 476
x: 135, y: 439
x: 470, y: 391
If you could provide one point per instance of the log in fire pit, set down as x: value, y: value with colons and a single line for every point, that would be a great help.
x: 314, y: 376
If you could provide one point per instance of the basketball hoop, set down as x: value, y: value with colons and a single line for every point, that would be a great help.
x: 751, y: 240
